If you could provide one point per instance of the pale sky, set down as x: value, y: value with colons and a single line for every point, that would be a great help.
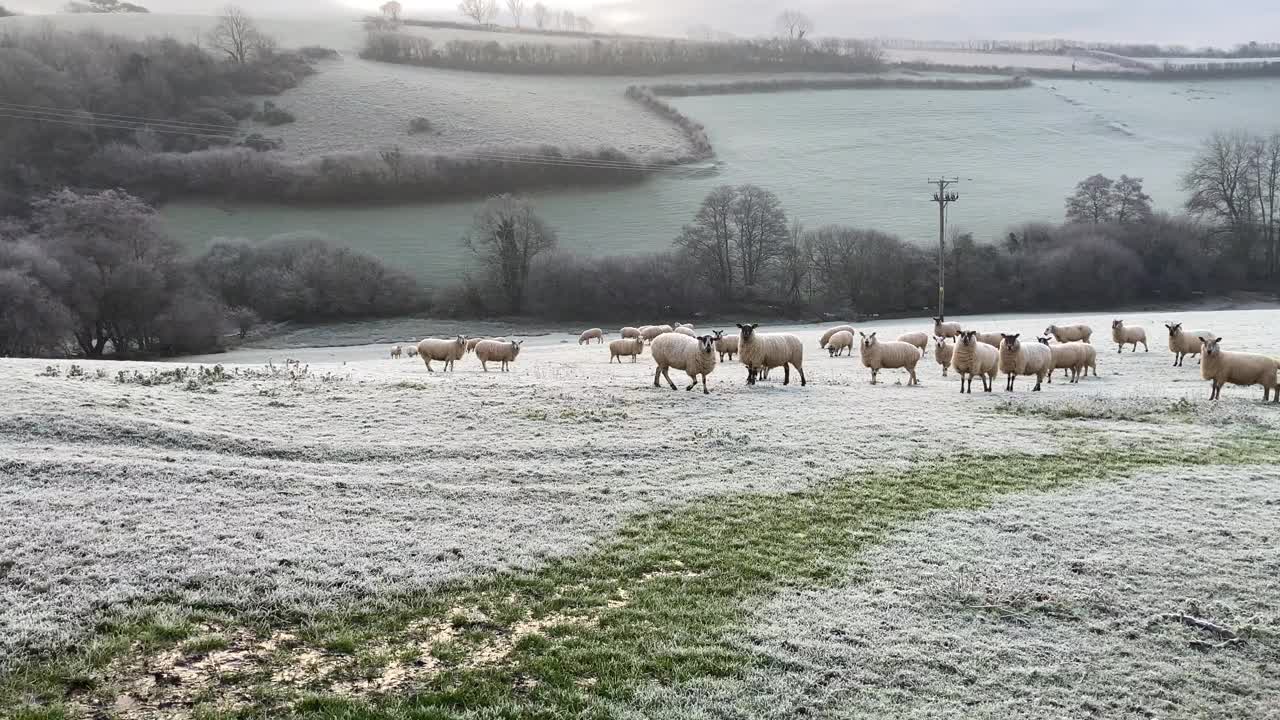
x: 1164, y: 21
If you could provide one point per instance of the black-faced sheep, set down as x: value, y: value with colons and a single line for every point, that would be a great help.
x: 760, y: 352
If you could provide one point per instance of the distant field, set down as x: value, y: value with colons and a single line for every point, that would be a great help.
x: 1011, y: 60
x: 351, y: 536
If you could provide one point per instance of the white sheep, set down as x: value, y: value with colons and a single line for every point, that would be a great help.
x: 878, y: 356
x: 686, y: 326
x: 826, y: 336
x: 626, y: 346
x: 1185, y: 342
x: 945, y: 329
x: 682, y: 330
x: 759, y: 352
x: 971, y: 356
x: 695, y: 356
x: 1069, y: 357
x: 629, y: 332
x: 1090, y: 361
x: 725, y: 344
x: 472, y: 342
x: 990, y: 338
x: 919, y: 339
x: 488, y: 351
x: 649, y: 332
x: 412, y: 350
x: 593, y: 334
x: 1222, y: 367
x: 840, y: 342
x: 1018, y: 358
x: 396, y: 352
x: 446, y: 351
x: 1123, y: 335
x: 942, y: 351
x: 1069, y: 333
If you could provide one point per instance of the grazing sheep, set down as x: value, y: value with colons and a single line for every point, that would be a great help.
x: 472, y: 342
x: 593, y: 334
x: 1090, y: 361
x: 759, y: 352
x: 945, y: 329
x: 629, y: 332
x: 649, y: 332
x: 1070, y: 357
x: 1018, y: 358
x: 942, y: 352
x: 840, y: 342
x: 1069, y: 333
x: 1185, y: 342
x: 726, y: 345
x: 695, y: 356
x: 446, y: 351
x: 412, y: 350
x: 626, y: 346
x: 682, y: 330
x: 686, y: 326
x: 396, y: 352
x: 879, y: 356
x: 826, y: 336
x: 989, y: 338
x: 488, y: 351
x: 1238, y: 368
x: 971, y: 356
x: 1130, y: 335
x: 919, y: 339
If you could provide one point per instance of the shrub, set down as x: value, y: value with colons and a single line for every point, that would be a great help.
x: 272, y: 115
x: 420, y: 125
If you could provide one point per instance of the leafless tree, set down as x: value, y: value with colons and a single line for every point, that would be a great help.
x: 708, y: 241
x: 1219, y: 181
x: 391, y: 10
x: 1264, y: 170
x: 516, y: 8
x: 506, y: 238
x: 760, y: 229
x: 1129, y: 203
x: 235, y: 34
x: 482, y: 11
x: 794, y: 262
x: 793, y: 24
x: 1092, y: 200
x: 541, y: 14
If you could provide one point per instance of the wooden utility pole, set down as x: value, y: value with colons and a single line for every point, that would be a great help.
x: 943, y: 198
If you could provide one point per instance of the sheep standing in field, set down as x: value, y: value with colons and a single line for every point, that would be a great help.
x: 446, y: 351
x: 1019, y: 358
x: 593, y: 334
x: 725, y: 345
x: 1185, y: 342
x: 682, y: 330
x: 649, y: 332
x: 488, y: 351
x: 1238, y: 368
x: 759, y: 352
x: 1128, y: 335
x: 826, y: 336
x: 942, y: 352
x: 1070, y: 333
x: 396, y: 352
x: 686, y: 326
x: 412, y: 350
x: 1090, y: 361
x: 877, y: 356
x: 629, y: 332
x: 990, y: 338
x: 840, y: 342
x: 919, y: 339
x: 695, y: 356
x: 945, y: 329
x: 1069, y: 357
x: 626, y: 346
x: 971, y: 356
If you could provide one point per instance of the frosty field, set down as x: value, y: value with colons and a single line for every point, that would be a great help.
x: 350, y: 536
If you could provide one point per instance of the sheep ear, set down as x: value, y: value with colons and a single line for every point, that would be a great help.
x: 740, y: 326
x: 1015, y: 336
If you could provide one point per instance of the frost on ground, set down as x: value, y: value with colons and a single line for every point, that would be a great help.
x: 1065, y: 605
x: 299, y: 490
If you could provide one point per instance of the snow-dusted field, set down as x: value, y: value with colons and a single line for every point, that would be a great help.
x: 298, y: 489
x: 974, y: 58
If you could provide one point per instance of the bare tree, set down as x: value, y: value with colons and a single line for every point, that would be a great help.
x: 1092, y: 201
x: 235, y: 34
x: 759, y: 231
x: 708, y: 241
x: 506, y: 238
x: 516, y: 8
x: 482, y: 11
x: 793, y: 24
x: 1219, y: 181
x: 1264, y: 171
x: 391, y: 10
x: 541, y: 14
x: 1128, y: 201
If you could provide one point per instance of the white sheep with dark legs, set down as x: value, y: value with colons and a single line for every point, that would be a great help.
x: 877, y: 356
x: 593, y: 334
x: 941, y: 328
x: 826, y: 336
x: 498, y: 351
x: 1069, y: 357
x: 1185, y: 342
x: 1019, y: 358
x: 619, y: 349
x: 942, y: 351
x: 919, y: 339
x: 629, y: 332
x: 839, y: 343
x: 1069, y: 333
x: 759, y: 352
x: 1238, y: 368
x: 973, y: 357
x: 396, y: 352
x: 412, y: 350
x: 446, y: 351
x: 725, y: 344
x: 1122, y: 335
x: 695, y: 356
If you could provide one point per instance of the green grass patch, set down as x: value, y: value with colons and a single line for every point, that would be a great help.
x: 662, y: 601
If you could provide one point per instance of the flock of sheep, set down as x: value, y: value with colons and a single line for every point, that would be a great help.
x: 969, y: 353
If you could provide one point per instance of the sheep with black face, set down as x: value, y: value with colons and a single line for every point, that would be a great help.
x: 760, y: 352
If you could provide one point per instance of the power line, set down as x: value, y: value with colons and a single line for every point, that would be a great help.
x: 76, y: 112
x: 943, y: 198
x: 108, y: 126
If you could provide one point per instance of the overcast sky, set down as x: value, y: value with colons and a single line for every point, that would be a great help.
x: 1167, y: 21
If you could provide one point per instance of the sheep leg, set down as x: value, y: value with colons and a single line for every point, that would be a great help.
x: 1037, y: 387
x: 429, y: 367
x: 1008, y: 383
x: 705, y: 391
x: 800, y: 370
x: 1144, y: 347
x: 484, y: 365
x: 786, y: 374
x: 914, y: 380
x: 751, y: 376
x: 666, y: 373
x: 873, y: 376
x: 657, y: 373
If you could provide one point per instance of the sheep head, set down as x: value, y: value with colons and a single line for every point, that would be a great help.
x: 1210, y: 347
x: 868, y: 341
x: 1043, y: 340
x: 968, y: 337
x: 748, y: 331
x: 1051, y: 330
x: 718, y: 333
x: 1010, y: 341
x: 1174, y: 329
x: 707, y: 344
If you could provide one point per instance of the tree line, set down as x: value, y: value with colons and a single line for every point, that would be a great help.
x: 627, y: 57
